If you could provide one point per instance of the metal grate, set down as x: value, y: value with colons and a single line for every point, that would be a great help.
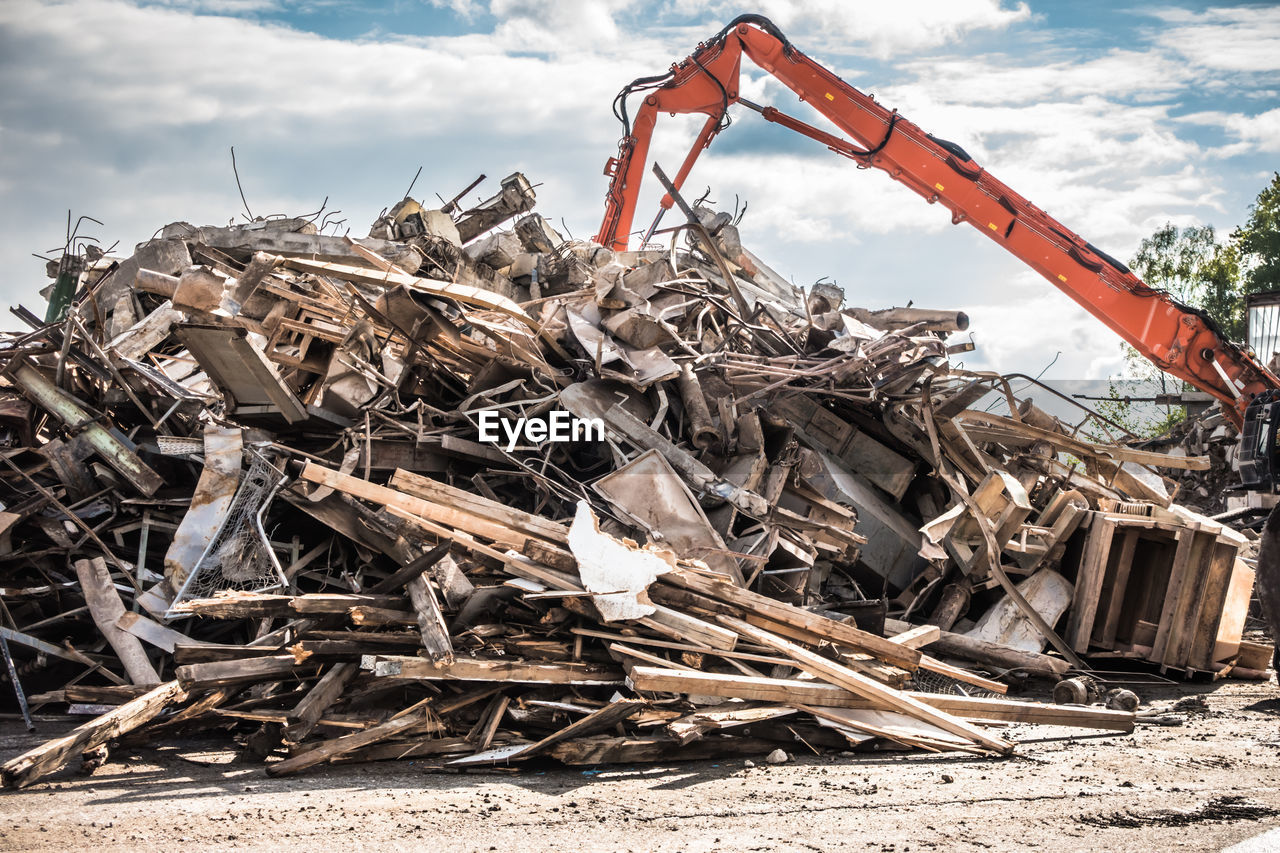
x: 173, y: 445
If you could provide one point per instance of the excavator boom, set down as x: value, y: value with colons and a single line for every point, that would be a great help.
x: 1180, y: 340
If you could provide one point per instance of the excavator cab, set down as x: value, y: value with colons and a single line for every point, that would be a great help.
x: 1259, y: 445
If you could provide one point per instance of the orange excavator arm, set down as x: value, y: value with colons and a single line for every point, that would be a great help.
x: 1177, y: 338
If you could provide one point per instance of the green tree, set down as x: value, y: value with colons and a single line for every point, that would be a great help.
x: 1196, y: 269
x: 1257, y: 242
x: 1215, y: 277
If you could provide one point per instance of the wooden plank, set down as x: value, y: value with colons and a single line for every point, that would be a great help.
x: 475, y: 669
x: 438, y: 513
x: 115, y: 694
x: 337, y: 746
x: 1211, y: 603
x: 693, y: 726
x: 487, y: 727
x: 435, y: 634
x: 397, y: 750
x: 1093, y: 564
x: 411, y: 570
x: 671, y: 623
x: 106, y: 608
x: 1083, y: 448
x: 692, y: 648
x: 603, y: 719
x: 244, y: 671
x: 53, y: 755
x: 887, y: 673
x: 992, y: 654
x: 352, y: 649
x: 1190, y: 597
x: 882, y: 696
x: 817, y: 693
x: 681, y: 626
x: 891, y: 726
x: 622, y: 649
x: 1235, y: 610
x: 198, y: 708
x: 281, y: 718
x: 307, y: 713
x: 473, y: 296
x: 668, y: 622
x: 381, y: 616
x: 333, y: 603
x: 239, y: 605
x: 840, y: 633
x: 516, y: 564
x: 160, y: 636
x: 917, y: 636
x: 655, y: 748
x: 442, y: 493
x: 1190, y: 548
x: 1105, y: 634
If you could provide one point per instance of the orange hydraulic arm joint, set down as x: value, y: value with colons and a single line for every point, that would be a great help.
x: 1178, y: 339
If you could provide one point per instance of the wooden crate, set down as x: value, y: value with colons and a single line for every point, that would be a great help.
x: 1159, y: 585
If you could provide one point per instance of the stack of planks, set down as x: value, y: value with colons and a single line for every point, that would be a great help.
x: 476, y: 654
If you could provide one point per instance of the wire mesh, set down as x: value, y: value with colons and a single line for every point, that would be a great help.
x: 239, y: 557
x: 931, y: 682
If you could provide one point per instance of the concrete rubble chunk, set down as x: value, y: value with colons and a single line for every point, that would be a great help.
x: 515, y: 197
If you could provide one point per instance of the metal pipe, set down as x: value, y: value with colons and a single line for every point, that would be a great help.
x: 17, y: 685
x: 702, y: 431
x: 899, y: 318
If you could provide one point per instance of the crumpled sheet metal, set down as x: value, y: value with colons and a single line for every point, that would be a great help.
x: 223, y: 456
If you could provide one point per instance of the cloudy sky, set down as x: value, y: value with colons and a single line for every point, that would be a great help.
x: 1115, y: 117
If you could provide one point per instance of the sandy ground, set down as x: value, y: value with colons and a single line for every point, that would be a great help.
x: 1210, y: 783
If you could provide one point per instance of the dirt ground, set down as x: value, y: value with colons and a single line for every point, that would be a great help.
x: 1209, y: 783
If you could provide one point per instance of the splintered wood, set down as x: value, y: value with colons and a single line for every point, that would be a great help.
x: 476, y: 497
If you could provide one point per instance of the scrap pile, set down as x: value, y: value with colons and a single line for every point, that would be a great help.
x: 380, y: 498
x: 1208, y: 434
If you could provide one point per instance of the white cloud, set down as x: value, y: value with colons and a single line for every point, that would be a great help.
x: 1013, y: 334
x: 1243, y: 38
x: 1005, y: 79
x: 562, y: 27
x: 126, y: 112
x: 1260, y: 133
x: 178, y: 73
x: 219, y: 7
x: 823, y: 198
x: 885, y: 29
x: 465, y: 8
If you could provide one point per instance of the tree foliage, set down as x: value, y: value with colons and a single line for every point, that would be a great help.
x: 1196, y: 269
x: 1205, y: 273
x: 1258, y: 241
